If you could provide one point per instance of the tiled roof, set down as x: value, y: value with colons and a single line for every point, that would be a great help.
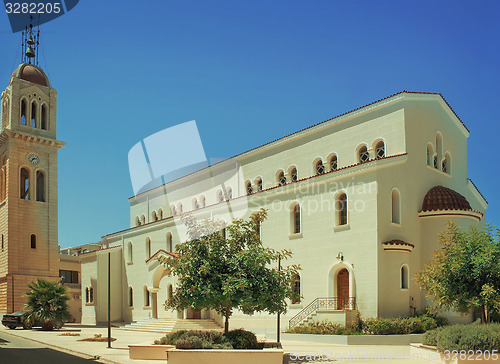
x: 442, y: 198
x: 398, y: 243
x: 175, y: 255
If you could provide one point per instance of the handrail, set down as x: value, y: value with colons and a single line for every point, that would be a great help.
x: 324, y: 303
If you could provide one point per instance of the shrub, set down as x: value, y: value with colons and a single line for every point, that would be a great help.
x: 469, y: 337
x: 326, y: 328
x: 430, y: 337
x: 400, y: 325
x: 242, y: 339
x: 195, y: 339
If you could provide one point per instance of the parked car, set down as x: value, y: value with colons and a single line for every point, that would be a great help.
x: 15, y: 319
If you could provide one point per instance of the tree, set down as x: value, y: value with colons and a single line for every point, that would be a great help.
x: 47, y: 304
x: 229, y: 272
x: 465, y: 272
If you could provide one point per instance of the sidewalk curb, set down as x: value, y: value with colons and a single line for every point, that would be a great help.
x: 69, y: 351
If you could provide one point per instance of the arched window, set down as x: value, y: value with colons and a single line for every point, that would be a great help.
x: 130, y: 297
x: 87, y: 295
x: 258, y: 183
x: 203, y: 201
x: 148, y: 248
x: 137, y: 221
x: 229, y: 193
x: 160, y: 214
x: 169, y: 292
x: 295, y: 289
x: 3, y: 187
x: 280, y: 178
x: 143, y: 219
x: 154, y: 216
x: 319, y: 167
x: 430, y: 154
x: 293, y: 174
x: 446, y: 166
x: 333, y: 163
x: 179, y: 208
x: 404, y: 277
x: 24, y: 119
x: 220, y: 196
x: 396, y: 207
x: 363, y: 155
x: 169, y: 242
x: 196, y: 206
x: 295, y: 219
x: 130, y: 255
x: 341, y: 209
x: 40, y: 186
x: 146, y: 297
x: 248, y: 187
x: 380, y: 150
x: 439, y: 149
x: 5, y: 113
x: 173, y: 210
x: 33, y: 241
x: 33, y: 114
x: 91, y: 295
x: 43, y: 123
x: 25, y: 184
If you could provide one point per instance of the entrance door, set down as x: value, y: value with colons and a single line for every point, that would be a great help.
x: 343, y: 290
x: 196, y: 315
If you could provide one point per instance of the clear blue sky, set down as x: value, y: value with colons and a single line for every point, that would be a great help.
x: 248, y: 72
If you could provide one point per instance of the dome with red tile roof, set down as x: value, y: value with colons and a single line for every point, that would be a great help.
x: 31, y: 73
x: 443, y: 198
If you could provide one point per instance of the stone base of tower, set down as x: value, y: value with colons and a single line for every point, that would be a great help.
x: 13, y: 289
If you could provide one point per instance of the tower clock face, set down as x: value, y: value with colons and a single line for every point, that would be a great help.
x: 33, y: 159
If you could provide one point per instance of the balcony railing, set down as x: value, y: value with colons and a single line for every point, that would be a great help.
x: 323, y: 304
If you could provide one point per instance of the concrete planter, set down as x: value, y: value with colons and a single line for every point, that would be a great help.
x: 430, y: 353
x: 266, y: 356
x: 356, y: 339
x: 148, y: 351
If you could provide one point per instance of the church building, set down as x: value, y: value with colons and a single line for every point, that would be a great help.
x: 359, y: 199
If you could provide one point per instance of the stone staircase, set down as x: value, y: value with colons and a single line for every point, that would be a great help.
x: 164, y: 326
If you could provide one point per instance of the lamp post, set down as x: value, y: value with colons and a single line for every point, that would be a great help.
x: 278, y: 323
x: 109, y: 299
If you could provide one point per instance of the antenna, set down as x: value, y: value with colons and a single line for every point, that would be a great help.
x: 31, y: 41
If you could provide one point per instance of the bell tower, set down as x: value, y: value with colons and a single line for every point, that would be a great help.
x: 28, y: 179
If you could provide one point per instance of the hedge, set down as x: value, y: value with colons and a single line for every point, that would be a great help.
x: 196, y: 339
x: 464, y: 337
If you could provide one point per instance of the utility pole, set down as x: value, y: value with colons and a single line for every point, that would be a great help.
x: 278, y: 326
x: 109, y: 299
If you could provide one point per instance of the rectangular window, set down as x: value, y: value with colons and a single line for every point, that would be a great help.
x: 69, y: 276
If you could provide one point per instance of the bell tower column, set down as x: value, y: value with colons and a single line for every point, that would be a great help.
x: 28, y: 181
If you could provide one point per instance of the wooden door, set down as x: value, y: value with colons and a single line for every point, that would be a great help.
x: 343, y: 289
x: 196, y: 315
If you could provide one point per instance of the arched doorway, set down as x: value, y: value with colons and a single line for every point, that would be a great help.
x: 343, y: 289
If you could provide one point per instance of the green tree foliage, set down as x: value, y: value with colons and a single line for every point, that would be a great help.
x: 465, y: 273
x: 47, y: 304
x: 231, y: 272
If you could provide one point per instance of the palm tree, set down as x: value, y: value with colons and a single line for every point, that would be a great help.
x: 47, y: 304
